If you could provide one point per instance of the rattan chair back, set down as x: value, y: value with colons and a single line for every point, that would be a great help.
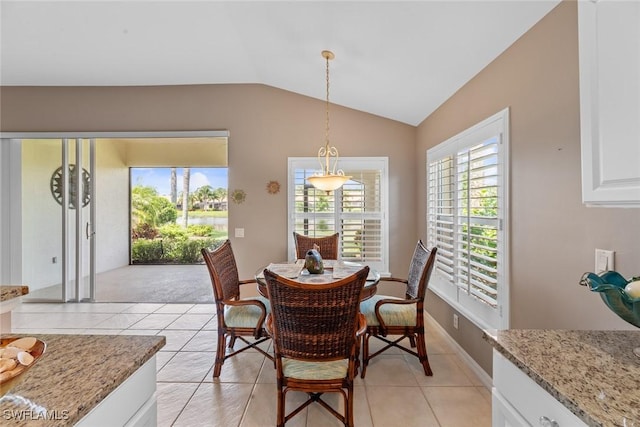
x: 314, y: 321
x: 328, y: 245
x: 223, y: 271
x: 419, y: 271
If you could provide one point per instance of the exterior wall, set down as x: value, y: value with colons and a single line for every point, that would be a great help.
x: 266, y: 126
x: 112, y: 206
x: 553, y: 235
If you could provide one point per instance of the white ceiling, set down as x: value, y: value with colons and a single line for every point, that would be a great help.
x: 399, y: 60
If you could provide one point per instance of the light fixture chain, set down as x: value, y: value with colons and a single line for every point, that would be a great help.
x: 326, y: 136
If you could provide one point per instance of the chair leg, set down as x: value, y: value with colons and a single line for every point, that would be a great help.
x: 348, y: 416
x: 365, y: 353
x: 422, y: 354
x: 280, y: 407
x: 220, y: 352
x: 412, y: 341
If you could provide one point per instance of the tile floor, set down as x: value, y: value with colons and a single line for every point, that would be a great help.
x: 395, y: 391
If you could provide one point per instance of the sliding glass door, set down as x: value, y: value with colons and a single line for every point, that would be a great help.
x: 58, y: 217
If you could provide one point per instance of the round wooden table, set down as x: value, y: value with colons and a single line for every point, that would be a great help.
x: 340, y: 268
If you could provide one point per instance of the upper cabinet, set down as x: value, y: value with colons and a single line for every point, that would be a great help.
x: 609, y: 37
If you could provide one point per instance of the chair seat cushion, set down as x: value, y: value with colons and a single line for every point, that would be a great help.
x: 392, y: 314
x: 303, y: 370
x: 244, y: 316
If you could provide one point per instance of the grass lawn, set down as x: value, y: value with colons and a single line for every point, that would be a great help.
x: 205, y: 214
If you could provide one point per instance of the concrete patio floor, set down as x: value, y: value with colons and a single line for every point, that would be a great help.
x: 168, y: 284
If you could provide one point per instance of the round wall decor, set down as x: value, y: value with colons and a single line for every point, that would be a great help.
x: 56, y: 186
x: 273, y: 187
x: 238, y: 196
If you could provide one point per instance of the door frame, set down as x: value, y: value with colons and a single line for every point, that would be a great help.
x: 11, y: 257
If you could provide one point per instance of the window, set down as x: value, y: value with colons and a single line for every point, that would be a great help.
x: 467, y: 208
x: 356, y: 211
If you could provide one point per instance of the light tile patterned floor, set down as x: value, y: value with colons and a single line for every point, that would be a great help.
x: 395, y: 391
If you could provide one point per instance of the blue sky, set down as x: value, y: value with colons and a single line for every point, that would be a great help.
x: 160, y: 178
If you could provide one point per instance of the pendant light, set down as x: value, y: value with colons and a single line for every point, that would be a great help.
x: 330, y: 177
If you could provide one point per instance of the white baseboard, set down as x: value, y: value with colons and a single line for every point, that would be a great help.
x: 485, y: 378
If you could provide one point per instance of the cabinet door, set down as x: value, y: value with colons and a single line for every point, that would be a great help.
x: 609, y: 40
x: 503, y: 414
x: 524, y: 402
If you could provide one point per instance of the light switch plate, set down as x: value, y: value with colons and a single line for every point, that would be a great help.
x: 239, y: 232
x: 605, y: 260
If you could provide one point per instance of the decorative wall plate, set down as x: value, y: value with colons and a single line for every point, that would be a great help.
x: 273, y: 187
x: 238, y: 196
x: 56, y: 186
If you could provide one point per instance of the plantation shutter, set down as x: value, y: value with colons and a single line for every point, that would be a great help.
x: 361, y: 217
x: 477, y: 220
x: 314, y: 210
x: 466, y: 211
x: 355, y: 211
x: 440, y: 215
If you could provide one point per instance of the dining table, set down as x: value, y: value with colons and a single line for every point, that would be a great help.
x: 334, y: 270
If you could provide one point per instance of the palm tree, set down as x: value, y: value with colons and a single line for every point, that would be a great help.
x: 174, y: 187
x: 205, y: 194
x: 186, y: 173
x: 219, y: 194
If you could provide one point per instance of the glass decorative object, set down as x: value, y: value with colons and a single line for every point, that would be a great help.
x: 313, y: 262
x: 611, y: 287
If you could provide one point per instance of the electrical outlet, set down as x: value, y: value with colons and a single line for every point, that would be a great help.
x: 239, y: 232
x: 455, y: 321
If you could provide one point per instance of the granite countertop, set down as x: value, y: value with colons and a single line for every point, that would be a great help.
x: 8, y: 292
x: 75, y: 373
x: 593, y: 373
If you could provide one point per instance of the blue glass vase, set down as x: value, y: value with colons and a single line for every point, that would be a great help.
x: 611, y: 286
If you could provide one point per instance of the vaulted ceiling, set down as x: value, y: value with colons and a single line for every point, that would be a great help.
x: 395, y: 59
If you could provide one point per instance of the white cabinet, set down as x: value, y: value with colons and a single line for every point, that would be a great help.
x: 517, y: 400
x: 609, y: 43
x: 132, y: 404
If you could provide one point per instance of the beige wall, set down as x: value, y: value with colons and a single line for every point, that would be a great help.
x: 266, y: 126
x: 553, y: 235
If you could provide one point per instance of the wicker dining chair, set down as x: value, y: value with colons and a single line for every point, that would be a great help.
x: 316, y: 330
x: 237, y: 318
x: 328, y: 245
x: 387, y: 315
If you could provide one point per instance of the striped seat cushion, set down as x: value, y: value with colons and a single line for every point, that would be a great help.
x: 392, y: 314
x: 244, y: 316
x: 303, y: 370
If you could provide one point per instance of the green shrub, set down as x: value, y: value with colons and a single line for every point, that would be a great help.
x: 200, y: 230
x: 189, y: 252
x: 173, y: 231
x: 144, y: 231
x: 146, y: 251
